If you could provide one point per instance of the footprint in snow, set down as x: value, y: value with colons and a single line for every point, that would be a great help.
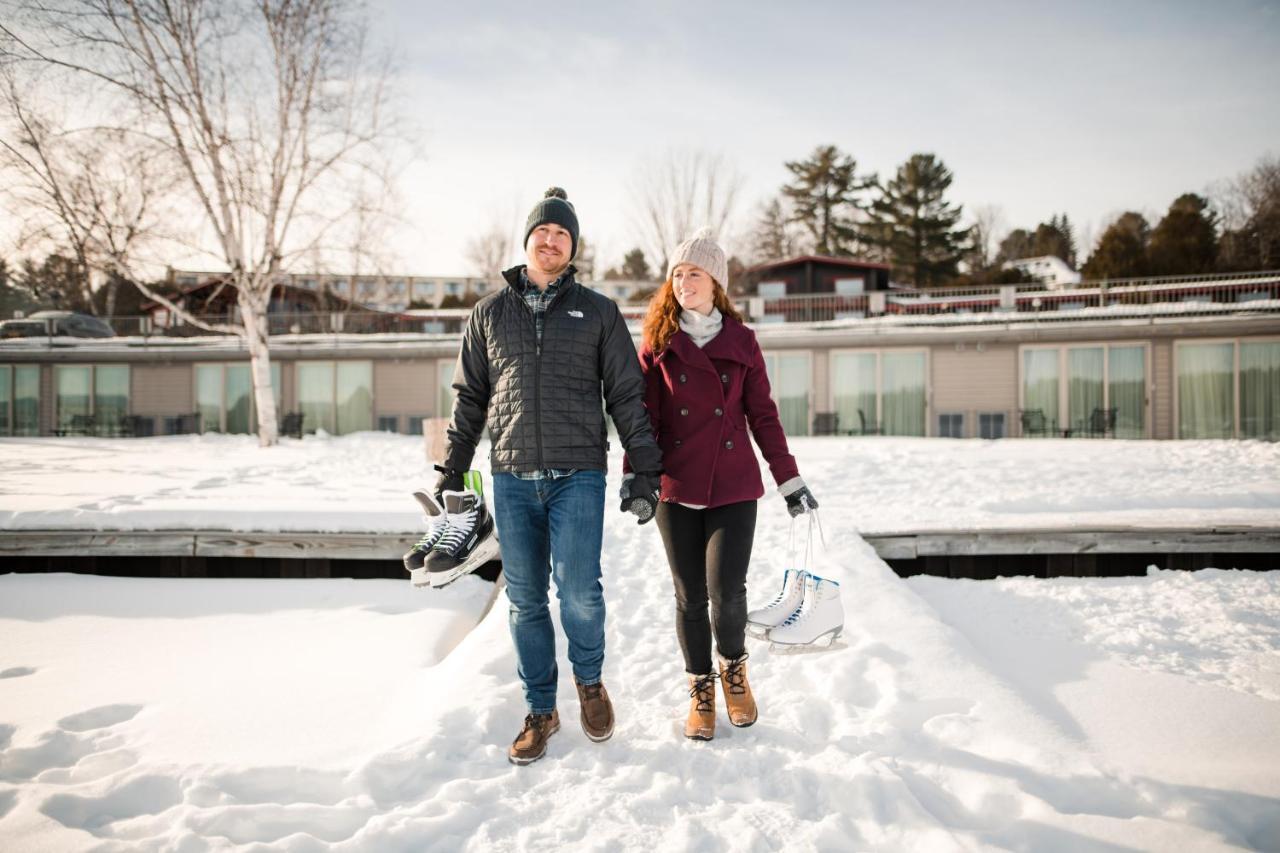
x: 98, y: 718
x: 18, y: 672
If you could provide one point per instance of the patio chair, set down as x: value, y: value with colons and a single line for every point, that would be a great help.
x: 1101, y: 422
x: 136, y: 426
x: 868, y: 426
x: 826, y: 423
x: 82, y: 425
x: 1033, y: 422
x: 291, y: 424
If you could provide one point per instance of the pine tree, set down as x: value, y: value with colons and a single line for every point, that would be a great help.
x: 1185, y: 241
x: 825, y: 197
x: 1122, y: 249
x: 919, y: 225
x: 772, y: 238
x: 1055, y: 238
x: 635, y: 267
x: 1016, y: 245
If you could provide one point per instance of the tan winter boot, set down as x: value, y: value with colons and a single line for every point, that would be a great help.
x: 738, y: 700
x: 701, y: 724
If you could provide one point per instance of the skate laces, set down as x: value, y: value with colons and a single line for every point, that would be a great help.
x: 435, y: 528
x: 703, y: 692
x: 458, y: 525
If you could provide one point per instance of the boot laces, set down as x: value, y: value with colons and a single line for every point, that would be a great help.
x: 735, y: 675
x: 536, y: 721
x: 459, y: 526
x: 703, y: 692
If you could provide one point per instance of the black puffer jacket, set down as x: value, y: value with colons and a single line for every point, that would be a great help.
x: 543, y: 407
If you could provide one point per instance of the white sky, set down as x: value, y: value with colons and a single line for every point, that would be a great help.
x: 1088, y: 108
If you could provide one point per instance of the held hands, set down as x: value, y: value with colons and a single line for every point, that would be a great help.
x: 640, y: 494
x: 799, y: 499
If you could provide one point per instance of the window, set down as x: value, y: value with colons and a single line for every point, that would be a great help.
x: 444, y: 388
x: 336, y: 397
x: 950, y: 425
x: 90, y: 398
x: 20, y: 399
x: 772, y: 289
x: 224, y: 397
x: 880, y: 390
x: 388, y: 423
x: 851, y: 286
x: 789, y: 381
x: 1228, y: 389
x: 1070, y: 384
x: 453, y: 288
x: 415, y: 424
x: 991, y: 425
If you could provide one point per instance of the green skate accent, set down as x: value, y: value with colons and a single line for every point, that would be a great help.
x: 473, y: 481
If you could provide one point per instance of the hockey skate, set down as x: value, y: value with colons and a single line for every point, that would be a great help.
x: 433, y: 515
x: 469, y: 539
x: 786, y: 603
x: 820, y: 617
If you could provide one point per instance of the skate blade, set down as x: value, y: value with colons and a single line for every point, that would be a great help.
x: 817, y: 645
x: 487, y: 550
x: 760, y: 632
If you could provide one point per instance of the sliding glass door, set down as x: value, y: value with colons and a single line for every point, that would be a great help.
x: 336, y: 397
x: 882, y: 391
x: 790, y: 382
x: 1206, y: 390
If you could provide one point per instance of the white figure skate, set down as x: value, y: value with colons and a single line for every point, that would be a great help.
x: 819, y: 617
x: 786, y: 603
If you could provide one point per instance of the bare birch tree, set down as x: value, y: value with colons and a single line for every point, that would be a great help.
x: 679, y: 192
x: 490, y: 251
x: 267, y: 108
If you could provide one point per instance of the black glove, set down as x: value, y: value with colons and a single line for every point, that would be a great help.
x: 801, y: 501
x: 640, y: 495
x: 448, y: 481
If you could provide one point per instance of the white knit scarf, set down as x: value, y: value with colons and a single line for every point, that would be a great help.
x: 701, y: 327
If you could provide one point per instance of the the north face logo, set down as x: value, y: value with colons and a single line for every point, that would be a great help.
x: 577, y: 314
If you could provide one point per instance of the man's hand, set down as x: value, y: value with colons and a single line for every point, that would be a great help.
x: 448, y: 481
x: 640, y: 494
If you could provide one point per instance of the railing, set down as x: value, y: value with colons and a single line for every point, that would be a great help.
x: 1204, y: 295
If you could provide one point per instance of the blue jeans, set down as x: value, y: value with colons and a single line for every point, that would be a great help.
x: 552, y: 528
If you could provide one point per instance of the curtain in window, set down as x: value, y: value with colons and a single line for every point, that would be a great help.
x: 444, y: 388
x: 315, y: 395
x: 1040, y: 382
x: 71, y: 387
x: 1084, y: 385
x: 238, y: 399
x: 1260, y: 390
x: 853, y: 383
x: 902, y: 384
x: 6, y: 393
x: 1205, y: 400
x: 110, y: 397
x: 354, y: 396
x: 1127, y: 390
x: 789, y: 383
x: 209, y: 396
x: 26, y: 399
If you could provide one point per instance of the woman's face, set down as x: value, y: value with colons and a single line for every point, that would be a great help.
x: 694, y: 288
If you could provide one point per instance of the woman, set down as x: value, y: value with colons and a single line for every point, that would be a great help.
x: 705, y: 386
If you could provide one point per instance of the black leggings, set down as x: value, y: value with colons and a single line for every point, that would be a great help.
x: 709, y: 551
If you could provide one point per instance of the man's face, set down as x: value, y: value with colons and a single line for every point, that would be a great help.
x: 549, y: 248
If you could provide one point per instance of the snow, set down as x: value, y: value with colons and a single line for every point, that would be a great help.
x: 306, y: 715
x: 883, y: 485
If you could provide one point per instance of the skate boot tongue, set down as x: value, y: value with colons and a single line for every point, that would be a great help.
x: 458, y: 502
x: 427, y: 501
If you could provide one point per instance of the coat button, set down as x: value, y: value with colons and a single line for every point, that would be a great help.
x: 724, y: 377
x: 677, y: 442
x: 719, y: 412
x: 684, y: 411
x: 728, y: 445
x: 683, y: 378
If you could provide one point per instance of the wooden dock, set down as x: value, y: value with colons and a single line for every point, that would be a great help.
x: 1116, y: 550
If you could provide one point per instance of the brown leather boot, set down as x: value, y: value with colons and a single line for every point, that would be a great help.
x: 531, y: 743
x: 738, y: 700
x: 701, y: 724
x: 597, y: 711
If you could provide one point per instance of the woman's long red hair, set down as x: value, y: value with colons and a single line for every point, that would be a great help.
x: 663, y: 318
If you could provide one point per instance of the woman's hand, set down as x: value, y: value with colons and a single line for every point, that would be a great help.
x: 799, y: 499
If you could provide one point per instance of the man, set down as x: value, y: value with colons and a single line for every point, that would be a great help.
x: 535, y: 358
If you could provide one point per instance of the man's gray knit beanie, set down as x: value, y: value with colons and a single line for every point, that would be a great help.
x: 554, y: 207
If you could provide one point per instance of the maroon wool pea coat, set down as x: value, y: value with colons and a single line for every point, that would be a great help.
x: 701, y: 402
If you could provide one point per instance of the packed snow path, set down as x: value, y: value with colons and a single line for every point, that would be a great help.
x: 909, y: 734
